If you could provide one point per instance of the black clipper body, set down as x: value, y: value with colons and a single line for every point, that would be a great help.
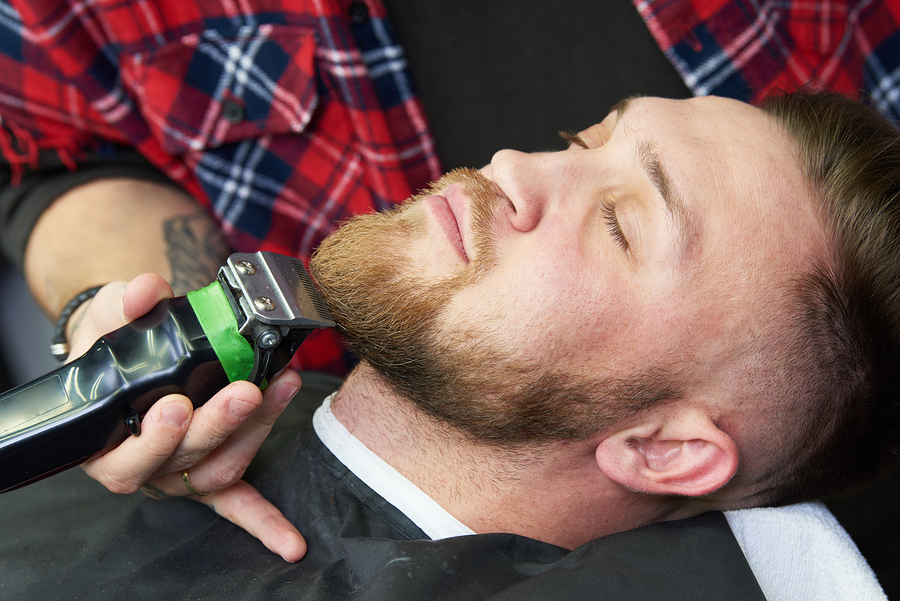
x: 246, y: 325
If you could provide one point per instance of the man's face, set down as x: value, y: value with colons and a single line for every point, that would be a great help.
x: 648, y: 260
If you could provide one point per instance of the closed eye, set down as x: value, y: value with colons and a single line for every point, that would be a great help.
x: 612, y: 224
x: 608, y: 206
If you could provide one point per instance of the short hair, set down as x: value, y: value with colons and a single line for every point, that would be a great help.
x: 845, y: 352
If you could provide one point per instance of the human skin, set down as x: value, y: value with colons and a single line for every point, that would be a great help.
x: 703, y: 282
x: 696, y: 284
x: 565, y: 290
x: 111, y: 230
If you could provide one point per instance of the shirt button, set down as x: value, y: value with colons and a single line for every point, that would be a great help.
x: 232, y: 111
x: 359, y: 12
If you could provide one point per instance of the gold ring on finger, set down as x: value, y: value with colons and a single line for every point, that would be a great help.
x: 190, y: 487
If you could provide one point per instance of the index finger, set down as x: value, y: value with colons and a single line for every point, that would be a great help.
x: 244, y: 506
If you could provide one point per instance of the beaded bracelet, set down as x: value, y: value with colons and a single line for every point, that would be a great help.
x: 59, y: 344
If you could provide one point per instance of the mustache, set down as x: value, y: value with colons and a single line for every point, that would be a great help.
x: 479, y: 187
x: 487, y: 204
x: 371, y: 285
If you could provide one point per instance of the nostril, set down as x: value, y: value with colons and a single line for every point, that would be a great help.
x: 518, y: 177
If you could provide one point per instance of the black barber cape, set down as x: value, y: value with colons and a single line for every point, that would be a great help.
x: 68, y: 538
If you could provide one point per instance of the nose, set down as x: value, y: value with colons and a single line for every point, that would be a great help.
x: 534, y: 183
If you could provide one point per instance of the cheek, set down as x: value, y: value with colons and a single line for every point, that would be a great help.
x: 542, y: 310
x: 702, y: 324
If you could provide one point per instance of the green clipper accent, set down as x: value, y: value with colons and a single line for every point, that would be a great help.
x: 217, y: 320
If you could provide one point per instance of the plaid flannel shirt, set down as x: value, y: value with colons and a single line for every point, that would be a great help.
x: 286, y: 116
x: 746, y: 48
x: 282, y: 117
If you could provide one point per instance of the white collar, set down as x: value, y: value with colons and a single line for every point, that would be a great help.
x: 424, y: 511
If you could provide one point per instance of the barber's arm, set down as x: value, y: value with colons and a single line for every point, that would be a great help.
x: 113, y: 230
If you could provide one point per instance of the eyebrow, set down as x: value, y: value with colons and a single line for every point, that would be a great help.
x: 652, y: 165
x: 622, y: 106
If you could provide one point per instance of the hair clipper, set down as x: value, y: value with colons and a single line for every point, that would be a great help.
x: 246, y: 325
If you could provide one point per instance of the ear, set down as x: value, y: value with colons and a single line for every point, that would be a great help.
x: 670, y: 453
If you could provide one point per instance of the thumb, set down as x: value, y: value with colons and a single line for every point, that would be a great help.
x: 142, y: 294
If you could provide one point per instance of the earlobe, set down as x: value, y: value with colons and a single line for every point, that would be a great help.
x: 687, y: 456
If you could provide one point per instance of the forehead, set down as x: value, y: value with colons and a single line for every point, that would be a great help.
x: 735, y: 170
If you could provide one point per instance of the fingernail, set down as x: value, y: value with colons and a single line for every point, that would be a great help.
x: 240, y: 409
x: 285, y: 393
x: 175, y: 414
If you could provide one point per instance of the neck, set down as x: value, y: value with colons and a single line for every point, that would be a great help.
x: 556, y: 494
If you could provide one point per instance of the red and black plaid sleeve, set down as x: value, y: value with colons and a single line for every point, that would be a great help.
x: 283, y: 117
x: 746, y: 48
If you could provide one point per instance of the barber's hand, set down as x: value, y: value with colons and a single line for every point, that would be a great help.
x: 215, y: 442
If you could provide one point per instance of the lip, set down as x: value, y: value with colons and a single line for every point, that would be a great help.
x: 439, y: 207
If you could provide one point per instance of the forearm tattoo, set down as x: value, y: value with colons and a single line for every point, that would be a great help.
x: 196, y: 249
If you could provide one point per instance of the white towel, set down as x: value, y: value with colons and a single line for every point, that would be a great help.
x: 801, y: 552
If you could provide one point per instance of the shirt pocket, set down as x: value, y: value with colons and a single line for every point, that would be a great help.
x: 207, y: 90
